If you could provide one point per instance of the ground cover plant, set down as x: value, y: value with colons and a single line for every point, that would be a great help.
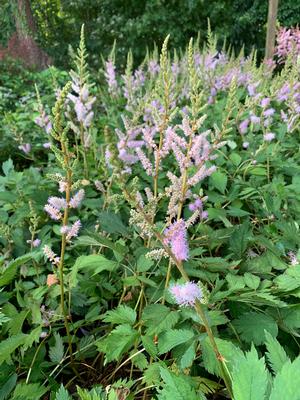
x: 150, y: 229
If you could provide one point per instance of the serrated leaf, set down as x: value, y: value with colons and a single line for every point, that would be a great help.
x: 276, y: 355
x: 62, y: 394
x: 239, y: 239
x: 228, y: 351
x: 172, y: 338
x: 121, y: 315
x: 95, y: 263
x: 10, y: 271
x: 249, y: 377
x: 252, y: 281
x: 177, y: 387
x: 31, y: 391
x: 219, y: 180
x: 8, y: 346
x: 251, y: 327
x: 112, y: 223
x: 158, y: 318
x: 8, y: 387
x: 287, y: 382
x: 117, y: 342
x: 56, y: 352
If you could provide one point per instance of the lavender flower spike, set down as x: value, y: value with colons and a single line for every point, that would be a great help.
x: 51, y: 255
x: 176, y: 237
x: 73, y: 230
x: 77, y: 199
x: 186, y: 293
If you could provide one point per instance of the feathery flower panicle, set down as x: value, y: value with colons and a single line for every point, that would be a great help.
x: 73, y: 230
x: 110, y: 75
x: 57, y: 202
x: 243, y: 127
x: 176, y: 236
x: 51, y: 255
x: 146, y: 163
x: 76, y: 199
x: 25, y: 148
x: 53, y: 212
x: 34, y: 243
x: 254, y: 119
x: 186, y: 294
x: 268, y: 137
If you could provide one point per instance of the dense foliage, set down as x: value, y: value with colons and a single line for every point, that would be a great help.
x: 139, y: 24
x: 150, y: 229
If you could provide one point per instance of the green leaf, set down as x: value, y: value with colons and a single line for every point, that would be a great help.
x: 121, y: 315
x: 287, y: 382
x: 177, y: 387
x: 95, y: 263
x: 117, y: 342
x: 252, y: 281
x: 219, y: 181
x: 112, y: 223
x: 228, y: 351
x: 7, y: 166
x: 251, y: 327
x: 144, y: 264
x: 99, y: 241
x: 239, y: 239
x: 56, y: 352
x: 249, y: 377
x: 8, y: 386
x: 276, y: 355
x: 158, y: 318
x: 172, y: 338
x: 8, y: 346
x: 10, y: 271
x: 62, y: 394
x: 31, y: 391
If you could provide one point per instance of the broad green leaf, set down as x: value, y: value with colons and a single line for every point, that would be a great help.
x: 177, y: 387
x: 8, y: 387
x: 252, y: 281
x: 249, y: 377
x: 239, y: 239
x: 158, y: 318
x: 276, y: 355
x: 56, y: 352
x: 251, y: 327
x: 228, y: 351
x: 172, y: 338
x: 31, y: 391
x: 8, y: 274
x: 94, y: 263
x: 8, y: 346
x: 112, y: 223
x: 287, y: 382
x: 219, y: 180
x: 121, y: 315
x: 117, y: 342
x: 62, y: 394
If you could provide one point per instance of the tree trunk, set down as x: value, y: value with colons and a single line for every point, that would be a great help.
x: 22, y: 45
x: 271, y: 29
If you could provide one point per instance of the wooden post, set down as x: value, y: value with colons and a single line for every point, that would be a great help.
x: 271, y: 29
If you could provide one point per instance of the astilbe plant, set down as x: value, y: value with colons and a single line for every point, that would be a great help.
x: 194, y: 151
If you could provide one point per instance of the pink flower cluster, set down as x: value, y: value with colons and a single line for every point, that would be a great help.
x: 287, y: 42
x: 71, y: 231
x: 56, y: 204
x: 176, y: 236
x: 186, y: 294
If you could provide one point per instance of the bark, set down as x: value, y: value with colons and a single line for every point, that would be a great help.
x: 271, y: 29
x: 22, y: 45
